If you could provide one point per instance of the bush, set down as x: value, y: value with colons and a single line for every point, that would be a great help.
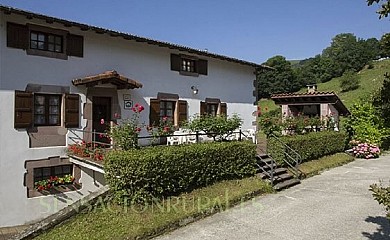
x: 218, y: 127
x: 349, y: 81
x: 366, y: 124
x: 382, y: 195
x: 310, y: 146
x: 142, y: 174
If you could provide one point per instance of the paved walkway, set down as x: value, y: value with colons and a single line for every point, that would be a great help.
x: 8, y: 232
x: 333, y: 205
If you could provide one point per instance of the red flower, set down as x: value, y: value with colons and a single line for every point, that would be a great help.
x: 140, y: 108
x: 138, y: 129
x: 166, y: 129
x: 41, y: 188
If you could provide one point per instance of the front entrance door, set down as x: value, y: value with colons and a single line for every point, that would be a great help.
x: 101, y: 115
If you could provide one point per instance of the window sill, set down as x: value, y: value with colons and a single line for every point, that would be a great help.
x: 192, y: 74
x: 37, y: 52
x: 55, y: 190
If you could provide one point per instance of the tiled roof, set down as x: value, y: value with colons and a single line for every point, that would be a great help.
x: 112, y: 77
x: 311, y: 98
x: 127, y: 36
x: 312, y: 94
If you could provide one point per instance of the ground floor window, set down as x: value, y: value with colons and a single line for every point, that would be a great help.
x: 44, y: 173
x: 169, y: 108
x: 213, y: 107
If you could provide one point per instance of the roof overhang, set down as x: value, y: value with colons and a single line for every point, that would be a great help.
x: 311, y: 98
x: 127, y: 36
x: 108, y: 77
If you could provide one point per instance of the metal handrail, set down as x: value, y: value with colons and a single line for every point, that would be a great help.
x: 297, y: 160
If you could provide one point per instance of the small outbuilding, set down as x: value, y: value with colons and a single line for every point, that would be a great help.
x: 312, y: 104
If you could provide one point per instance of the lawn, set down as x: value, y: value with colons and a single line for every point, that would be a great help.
x: 315, y: 167
x: 111, y: 221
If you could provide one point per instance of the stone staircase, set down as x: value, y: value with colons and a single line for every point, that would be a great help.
x: 282, y: 178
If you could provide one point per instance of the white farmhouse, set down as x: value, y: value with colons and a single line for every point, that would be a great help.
x: 58, y: 78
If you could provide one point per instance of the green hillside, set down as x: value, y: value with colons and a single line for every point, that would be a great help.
x: 370, y: 81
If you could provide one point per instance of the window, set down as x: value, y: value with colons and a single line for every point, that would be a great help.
x: 175, y: 110
x: 213, y: 106
x: 44, y: 173
x: 47, y: 110
x: 167, y: 109
x: 188, y: 65
x: 212, y: 109
x: 46, y: 42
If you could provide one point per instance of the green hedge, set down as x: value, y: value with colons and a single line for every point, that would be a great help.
x: 142, y: 174
x: 310, y: 146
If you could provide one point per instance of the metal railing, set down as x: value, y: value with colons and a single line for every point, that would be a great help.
x: 297, y: 159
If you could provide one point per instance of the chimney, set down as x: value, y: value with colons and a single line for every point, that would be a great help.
x: 311, y: 88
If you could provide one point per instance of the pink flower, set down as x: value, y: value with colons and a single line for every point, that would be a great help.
x: 165, y: 118
x: 102, y: 121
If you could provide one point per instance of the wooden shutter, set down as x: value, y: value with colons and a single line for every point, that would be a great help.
x: 24, y: 102
x: 175, y: 62
x: 182, y: 111
x: 72, y: 110
x: 75, y: 45
x: 203, y: 108
x: 154, y: 113
x: 17, y: 36
x: 202, y: 67
x: 223, y: 109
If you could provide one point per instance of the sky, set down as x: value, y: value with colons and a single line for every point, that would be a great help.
x: 252, y: 30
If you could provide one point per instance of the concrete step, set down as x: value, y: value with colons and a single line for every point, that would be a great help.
x: 286, y: 184
x: 283, y: 177
x: 277, y: 172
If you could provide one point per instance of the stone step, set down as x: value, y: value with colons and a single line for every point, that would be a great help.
x: 286, y: 184
x: 269, y: 167
x: 283, y: 177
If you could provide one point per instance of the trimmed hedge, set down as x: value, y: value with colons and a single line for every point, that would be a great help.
x: 141, y: 174
x: 310, y: 146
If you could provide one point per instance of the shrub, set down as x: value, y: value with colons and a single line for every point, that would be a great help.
x: 141, y: 174
x: 218, y: 127
x: 270, y: 122
x: 366, y: 150
x: 349, y: 81
x: 366, y: 123
x: 309, y: 146
x: 382, y: 195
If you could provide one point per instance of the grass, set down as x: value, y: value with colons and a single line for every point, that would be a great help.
x: 315, y: 167
x: 111, y: 221
x: 370, y: 81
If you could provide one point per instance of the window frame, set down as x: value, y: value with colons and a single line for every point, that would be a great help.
x: 165, y: 109
x: 52, y: 172
x: 46, y: 41
x: 47, y: 106
x: 47, y: 31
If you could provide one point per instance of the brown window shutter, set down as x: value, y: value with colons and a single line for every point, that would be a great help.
x: 75, y: 45
x: 17, y: 36
x: 72, y: 110
x: 203, y: 108
x: 175, y: 62
x: 202, y: 67
x: 24, y: 102
x: 223, y: 108
x: 154, y: 113
x: 182, y: 111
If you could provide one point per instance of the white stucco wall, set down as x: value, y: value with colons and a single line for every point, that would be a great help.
x: 230, y: 82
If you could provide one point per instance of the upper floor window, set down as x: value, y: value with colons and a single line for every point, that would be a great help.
x: 188, y: 65
x: 47, y: 110
x: 46, y: 42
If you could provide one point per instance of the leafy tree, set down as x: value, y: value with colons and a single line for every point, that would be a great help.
x: 281, y: 79
x: 382, y: 100
x: 384, y: 10
x: 349, y: 81
x: 385, y: 45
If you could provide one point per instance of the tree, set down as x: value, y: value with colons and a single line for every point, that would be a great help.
x: 384, y: 10
x: 281, y: 79
x: 349, y: 81
x: 385, y: 45
x: 382, y: 100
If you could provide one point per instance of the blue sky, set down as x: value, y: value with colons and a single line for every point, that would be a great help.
x: 253, y: 30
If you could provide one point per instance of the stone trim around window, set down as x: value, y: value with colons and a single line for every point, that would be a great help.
x: 46, y: 30
x: 49, y: 162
